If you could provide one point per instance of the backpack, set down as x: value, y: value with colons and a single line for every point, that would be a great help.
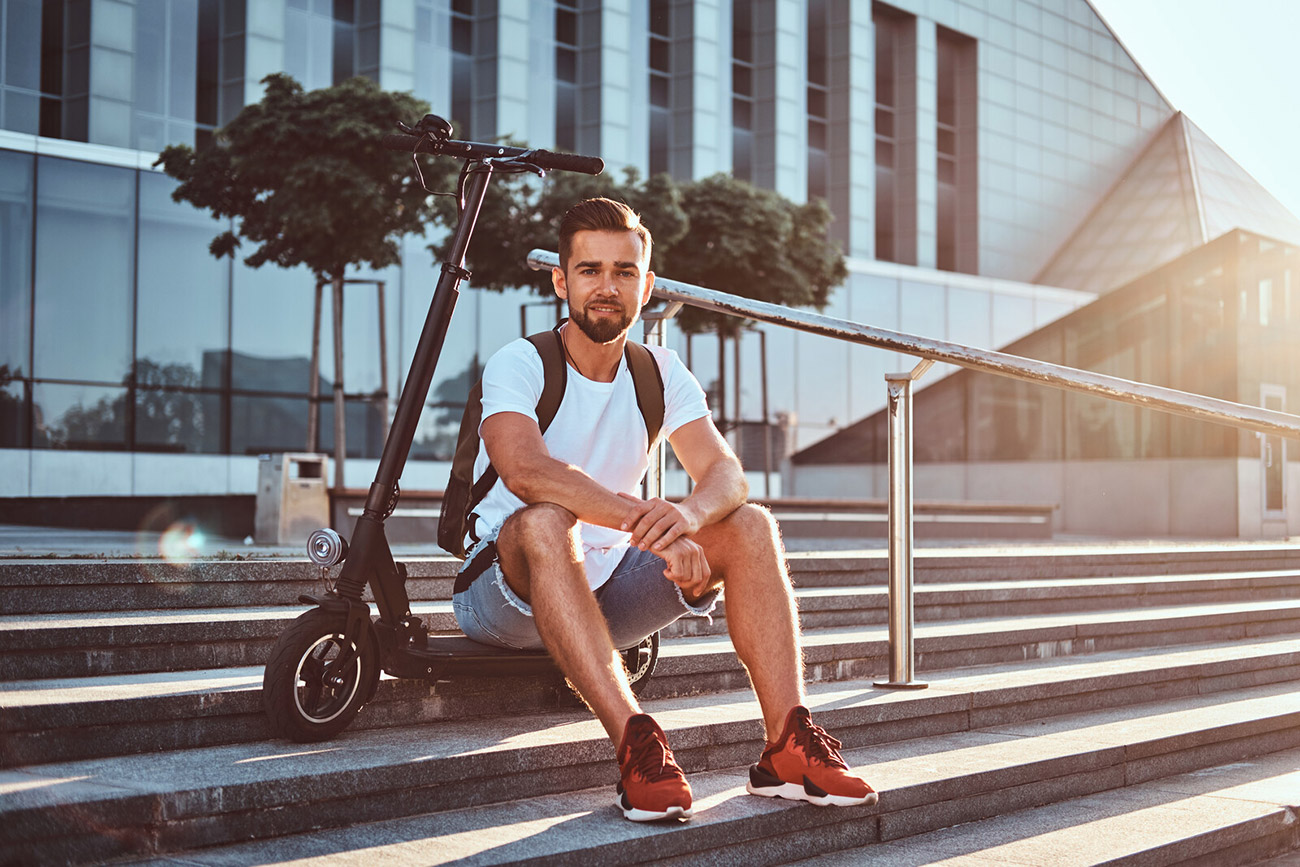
x: 463, y: 493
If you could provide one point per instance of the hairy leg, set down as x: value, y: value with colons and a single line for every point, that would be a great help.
x: 745, y: 554
x: 541, y: 559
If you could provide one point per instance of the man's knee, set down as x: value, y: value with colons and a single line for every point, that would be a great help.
x: 536, y: 535
x: 752, y: 522
x: 541, y: 525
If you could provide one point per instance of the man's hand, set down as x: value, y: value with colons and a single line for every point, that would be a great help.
x: 687, y: 567
x: 656, y: 524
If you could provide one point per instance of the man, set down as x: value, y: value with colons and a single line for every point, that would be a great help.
x: 582, y: 565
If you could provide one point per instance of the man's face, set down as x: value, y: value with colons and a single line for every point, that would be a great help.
x: 606, y: 283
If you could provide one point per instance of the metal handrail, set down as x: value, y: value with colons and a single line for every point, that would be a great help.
x: 899, y: 406
x: 1057, y: 375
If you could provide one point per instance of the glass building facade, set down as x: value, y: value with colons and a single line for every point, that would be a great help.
x: 1221, y: 321
x: 968, y: 150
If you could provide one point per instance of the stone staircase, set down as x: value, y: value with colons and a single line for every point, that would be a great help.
x: 1087, y: 705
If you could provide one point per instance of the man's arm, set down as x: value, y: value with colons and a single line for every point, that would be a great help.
x: 515, y: 447
x: 720, y: 489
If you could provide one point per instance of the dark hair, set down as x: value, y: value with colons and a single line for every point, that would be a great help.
x: 601, y: 215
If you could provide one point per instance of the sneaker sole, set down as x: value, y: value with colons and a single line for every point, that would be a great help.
x: 796, y: 792
x: 637, y: 815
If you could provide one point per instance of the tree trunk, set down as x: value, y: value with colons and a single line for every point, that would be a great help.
x: 313, y: 408
x: 722, y: 381
x: 340, y: 435
x: 386, y: 401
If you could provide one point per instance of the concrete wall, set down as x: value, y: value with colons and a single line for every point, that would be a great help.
x: 1176, y: 497
x: 59, y: 473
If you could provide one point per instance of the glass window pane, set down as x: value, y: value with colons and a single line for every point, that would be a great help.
x: 84, y: 264
x: 364, y: 427
x: 923, y: 310
x: 151, y: 56
x: 817, y: 102
x: 13, y: 414
x: 566, y: 26
x: 22, y: 36
x: 182, y: 295
x: 15, y: 259
x: 182, y: 70
x: 659, y: 55
x: 742, y: 79
x: 79, y: 416
x: 259, y: 425
x: 742, y: 114
x: 177, y: 421
x: 566, y: 64
x: 271, y: 330
x: 659, y: 90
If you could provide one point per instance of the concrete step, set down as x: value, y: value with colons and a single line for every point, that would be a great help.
x: 851, y: 606
x: 84, y: 644
x: 35, y: 586
x: 1216, y: 817
x: 539, y: 790
x: 1227, y: 815
x: 66, y: 719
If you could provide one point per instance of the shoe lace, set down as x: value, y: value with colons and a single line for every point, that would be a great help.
x: 818, y: 744
x: 652, y: 759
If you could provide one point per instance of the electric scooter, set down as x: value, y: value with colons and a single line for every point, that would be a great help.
x: 326, y: 665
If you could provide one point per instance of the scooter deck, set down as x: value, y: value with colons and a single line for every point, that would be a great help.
x: 456, y: 655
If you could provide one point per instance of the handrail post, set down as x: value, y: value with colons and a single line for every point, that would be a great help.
x: 900, y: 530
x: 655, y: 324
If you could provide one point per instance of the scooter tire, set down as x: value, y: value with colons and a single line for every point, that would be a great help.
x: 301, y: 704
x: 640, y: 662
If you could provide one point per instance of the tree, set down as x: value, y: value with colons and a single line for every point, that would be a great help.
x: 306, y: 179
x: 754, y: 243
x: 520, y: 214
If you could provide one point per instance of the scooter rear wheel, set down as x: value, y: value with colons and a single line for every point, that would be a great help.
x: 640, y: 662
x: 308, y: 696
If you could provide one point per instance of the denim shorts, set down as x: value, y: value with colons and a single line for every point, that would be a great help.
x: 637, y: 601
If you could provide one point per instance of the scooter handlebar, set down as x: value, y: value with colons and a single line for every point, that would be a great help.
x: 543, y: 159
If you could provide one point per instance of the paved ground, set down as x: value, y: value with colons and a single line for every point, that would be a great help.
x: 22, y: 542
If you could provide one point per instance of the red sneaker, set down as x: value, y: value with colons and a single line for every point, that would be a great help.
x: 804, y: 764
x: 652, y: 785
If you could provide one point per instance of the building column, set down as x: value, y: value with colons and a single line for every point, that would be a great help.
x: 919, y: 203
x: 397, y: 46
x: 109, y: 95
x: 701, y: 88
x: 539, y: 77
x: 852, y: 145
x: 263, y: 45
x: 614, y: 80
x: 781, y: 97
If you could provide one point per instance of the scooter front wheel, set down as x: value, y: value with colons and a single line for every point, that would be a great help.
x: 315, y: 683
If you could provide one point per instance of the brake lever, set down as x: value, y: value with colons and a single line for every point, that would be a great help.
x: 520, y: 162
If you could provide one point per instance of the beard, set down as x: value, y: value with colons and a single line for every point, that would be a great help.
x: 602, y: 330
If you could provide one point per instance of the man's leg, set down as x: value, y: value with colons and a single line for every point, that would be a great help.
x: 801, y: 761
x: 745, y: 554
x: 538, y: 548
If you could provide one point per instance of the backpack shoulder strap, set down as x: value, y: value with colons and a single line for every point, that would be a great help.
x: 556, y: 375
x: 649, y: 384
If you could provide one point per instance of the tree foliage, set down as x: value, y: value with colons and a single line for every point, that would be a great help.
x: 306, y: 177
x: 719, y: 232
x: 520, y: 213
x: 755, y: 243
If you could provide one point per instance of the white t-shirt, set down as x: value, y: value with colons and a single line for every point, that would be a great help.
x: 598, y: 428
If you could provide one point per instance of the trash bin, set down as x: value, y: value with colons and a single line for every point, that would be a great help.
x: 292, y: 498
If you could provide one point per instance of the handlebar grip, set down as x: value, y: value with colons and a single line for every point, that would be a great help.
x: 567, y: 162
x: 399, y: 142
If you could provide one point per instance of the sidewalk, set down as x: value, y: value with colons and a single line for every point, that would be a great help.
x: 182, y: 544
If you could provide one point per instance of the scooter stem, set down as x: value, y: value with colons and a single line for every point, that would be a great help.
x: 369, y: 557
